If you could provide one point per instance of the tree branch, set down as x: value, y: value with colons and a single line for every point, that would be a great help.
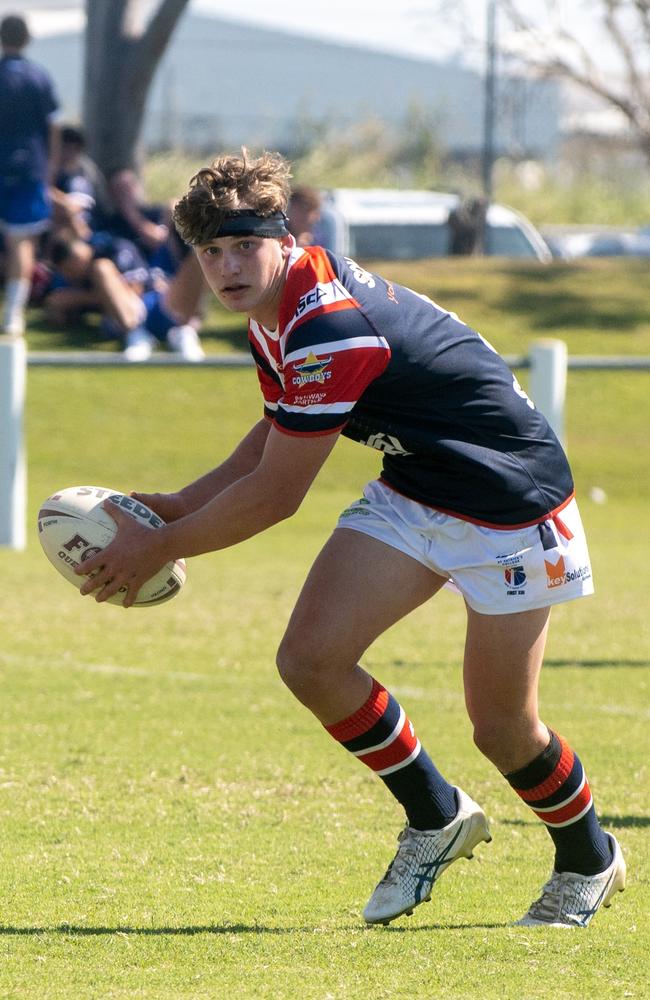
x: 160, y: 29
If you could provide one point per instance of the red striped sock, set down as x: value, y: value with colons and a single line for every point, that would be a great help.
x: 381, y: 736
x: 555, y: 787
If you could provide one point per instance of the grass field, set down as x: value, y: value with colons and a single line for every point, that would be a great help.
x: 175, y: 825
x: 599, y: 306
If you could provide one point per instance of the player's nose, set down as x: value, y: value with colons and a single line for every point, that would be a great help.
x: 230, y: 263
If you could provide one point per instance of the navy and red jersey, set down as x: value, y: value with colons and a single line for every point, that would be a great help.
x: 393, y: 370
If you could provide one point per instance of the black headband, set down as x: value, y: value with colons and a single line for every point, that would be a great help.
x: 246, y: 222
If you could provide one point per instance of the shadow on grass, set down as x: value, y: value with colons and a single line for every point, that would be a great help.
x: 611, y: 822
x: 561, y: 296
x: 596, y: 664
x: 71, y: 930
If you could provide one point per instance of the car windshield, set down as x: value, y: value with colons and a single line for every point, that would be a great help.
x: 399, y: 242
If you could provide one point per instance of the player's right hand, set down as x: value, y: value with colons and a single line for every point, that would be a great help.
x: 169, y: 506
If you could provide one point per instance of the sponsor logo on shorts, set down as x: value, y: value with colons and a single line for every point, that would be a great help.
x: 515, y: 580
x: 557, y: 574
x: 510, y: 560
x: 312, y: 369
x: 358, y: 507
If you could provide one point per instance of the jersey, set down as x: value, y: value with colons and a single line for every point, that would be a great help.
x: 27, y: 104
x: 393, y: 370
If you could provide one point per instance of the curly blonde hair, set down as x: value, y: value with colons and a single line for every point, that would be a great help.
x: 231, y: 182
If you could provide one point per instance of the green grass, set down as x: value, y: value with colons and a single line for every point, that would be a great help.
x: 598, y: 306
x: 176, y: 826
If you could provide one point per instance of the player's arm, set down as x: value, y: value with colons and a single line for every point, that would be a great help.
x: 271, y: 492
x: 246, y: 457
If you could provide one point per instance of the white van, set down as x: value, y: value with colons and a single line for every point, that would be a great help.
x: 385, y: 224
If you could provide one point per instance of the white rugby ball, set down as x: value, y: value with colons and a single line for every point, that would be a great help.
x: 73, y: 526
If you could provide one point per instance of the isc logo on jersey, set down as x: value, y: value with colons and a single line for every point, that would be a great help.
x: 318, y: 297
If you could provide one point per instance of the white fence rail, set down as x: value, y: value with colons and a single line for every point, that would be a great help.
x: 548, y: 363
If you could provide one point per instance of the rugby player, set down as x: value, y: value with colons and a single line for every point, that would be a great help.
x: 474, y: 491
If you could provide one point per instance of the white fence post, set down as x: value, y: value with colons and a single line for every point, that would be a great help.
x: 13, y: 368
x: 548, y: 373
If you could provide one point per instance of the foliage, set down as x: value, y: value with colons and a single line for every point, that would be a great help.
x: 372, y: 156
x: 175, y: 825
x: 553, y: 49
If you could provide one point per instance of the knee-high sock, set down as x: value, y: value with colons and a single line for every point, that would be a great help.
x: 381, y: 735
x: 555, y: 787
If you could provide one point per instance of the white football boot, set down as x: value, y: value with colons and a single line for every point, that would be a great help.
x: 571, y: 900
x: 184, y: 340
x: 422, y: 857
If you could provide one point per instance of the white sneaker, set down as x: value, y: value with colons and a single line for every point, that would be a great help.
x: 571, y: 900
x: 139, y: 345
x: 422, y: 857
x: 185, y: 341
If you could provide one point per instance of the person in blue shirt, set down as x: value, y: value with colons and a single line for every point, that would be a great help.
x: 29, y: 140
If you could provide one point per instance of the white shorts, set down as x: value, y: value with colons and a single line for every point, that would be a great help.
x: 496, y: 571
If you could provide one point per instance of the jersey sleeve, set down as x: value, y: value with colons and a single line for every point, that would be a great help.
x: 329, y: 361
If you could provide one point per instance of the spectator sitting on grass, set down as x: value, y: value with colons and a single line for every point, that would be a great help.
x: 138, y: 305
x: 79, y: 193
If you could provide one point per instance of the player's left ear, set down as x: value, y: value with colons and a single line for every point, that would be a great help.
x: 287, y: 243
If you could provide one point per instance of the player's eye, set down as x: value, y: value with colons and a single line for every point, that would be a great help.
x: 246, y: 244
x: 212, y: 251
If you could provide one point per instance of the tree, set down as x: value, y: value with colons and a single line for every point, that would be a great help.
x: 123, y: 49
x: 554, y: 50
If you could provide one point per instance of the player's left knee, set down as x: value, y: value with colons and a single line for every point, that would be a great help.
x: 509, y: 742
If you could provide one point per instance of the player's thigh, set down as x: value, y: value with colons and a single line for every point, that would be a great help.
x: 356, y: 589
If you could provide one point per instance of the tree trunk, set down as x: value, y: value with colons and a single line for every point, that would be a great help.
x: 122, y: 53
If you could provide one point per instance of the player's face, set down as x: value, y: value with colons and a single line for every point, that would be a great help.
x: 246, y: 273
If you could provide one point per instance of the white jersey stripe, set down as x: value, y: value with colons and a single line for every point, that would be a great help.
x: 318, y: 408
x: 261, y: 341
x: 322, y: 294
x: 336, y: 346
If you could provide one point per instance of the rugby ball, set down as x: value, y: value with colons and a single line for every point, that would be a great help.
x: 73, y: 526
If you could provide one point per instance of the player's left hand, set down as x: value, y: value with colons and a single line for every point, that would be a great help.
x: 132, y: 558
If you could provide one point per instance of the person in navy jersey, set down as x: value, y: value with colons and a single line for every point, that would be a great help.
x: 139, y: 305
x: 79, y: 193
x: 29, y: 140
x: 475, y: 493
